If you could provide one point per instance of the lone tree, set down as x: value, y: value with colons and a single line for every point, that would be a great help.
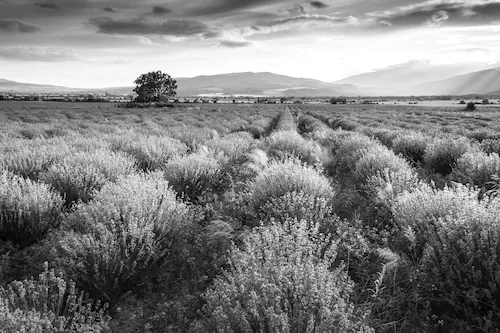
x: 154, y: 87
x: 471, y: 106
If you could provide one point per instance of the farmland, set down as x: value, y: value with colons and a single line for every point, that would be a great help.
x: 249, y: 218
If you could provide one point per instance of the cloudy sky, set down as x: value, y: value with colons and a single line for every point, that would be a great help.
x: 102, y: 43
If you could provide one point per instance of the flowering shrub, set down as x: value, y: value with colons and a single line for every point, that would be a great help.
x: 128, y: 228
x: 283, y: 281
x: 376, y: 160
x: 192, y: 136
x: 29, y: 158
x: 491, y: 146
x: 476, y: 168
x: 411, y: 145
x: 385, y: 136
x: 425, y: 204
x: 48, y: 304
x: 442, y: 154
x: 234, y: 146
x: 282, y: 144
x: 79, y: 176
x: 280, y: 178
x: 455, y: 246
x: 27, y: 209
x: 296, y: 205
x: 347, y: 150
x: 153, y: 152
x: 195, y: 175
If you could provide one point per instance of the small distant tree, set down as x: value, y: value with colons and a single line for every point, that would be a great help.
x: 154, y: 87
x: 471, y: 106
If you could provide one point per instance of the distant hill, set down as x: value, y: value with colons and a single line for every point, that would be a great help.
x: 409, y: 73
x: 481, y: 82
x: 262, y: 84
x: 12, y: 86
x: 494, y: 93
x: 258, y: 84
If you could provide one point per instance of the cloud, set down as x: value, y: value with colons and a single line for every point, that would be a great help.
x: 160, y: 10
x: 24, y: 53
x: 47, y: 5
x: 11, y: 25
x: 234, y: 43
x: 109, y: 9
x: 297, y: 10
x: 311, y: 18
x: 437, y: 12
x: 318, y: 4
x: 437, y: 18
x: 221, y: 7
x: 180, y: 28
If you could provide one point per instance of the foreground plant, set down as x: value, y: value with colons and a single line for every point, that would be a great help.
x: 127, y: 231
x: 28, y: 210
x: 283, y: 280
x: 48, y: 304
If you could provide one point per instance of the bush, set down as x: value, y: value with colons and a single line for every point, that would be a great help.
x: 283, y: 281
x: 376, y: 160
x: 284, y: 144
x: 442, y: 154
x: 347, y: 151
x: 196, y: 175
x: 456, y: 246
x: 462, y: 262
x: 296, y: 205
x: 234, y: 146
x: 30, y: 158
x: 28, y: 210
x: 411, y: 145
x: 386, y: 136
x: 152, y: 152
x: 79, y: 176
x: 491, y: 146
x: 128, y: 229
x: 425, y: 205
x: 476, y: 168
x: 280, y: 178
x: 48, y: 304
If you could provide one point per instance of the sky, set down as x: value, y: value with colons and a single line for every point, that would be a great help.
x: 106, y: 43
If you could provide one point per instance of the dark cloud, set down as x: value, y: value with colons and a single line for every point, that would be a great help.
x: 438, y: 12
x: 47, y: 5
x: 211, y: 35
x: 23, y: 53
x: 109, y: 9
x: 10, y: 25
x: 160, y: 10
x: 311, y: 18
x: 297, y: 10
x: 234, y: 43
x: 318, y: 4
x: 220, y: 7
x: 178, y: 28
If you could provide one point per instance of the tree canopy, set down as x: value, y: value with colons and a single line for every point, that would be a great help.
x: 154, y: 87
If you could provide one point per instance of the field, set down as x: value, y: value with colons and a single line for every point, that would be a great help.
x: 249, y: 218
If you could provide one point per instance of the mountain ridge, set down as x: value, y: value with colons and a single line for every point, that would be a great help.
x: 485, y: 82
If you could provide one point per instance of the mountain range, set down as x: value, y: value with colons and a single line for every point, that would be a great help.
x: 413, y: 78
